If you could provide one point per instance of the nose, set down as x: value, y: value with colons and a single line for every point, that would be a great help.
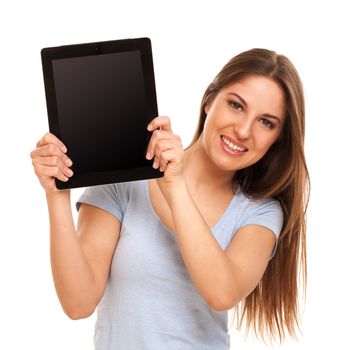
x: 243, y: 128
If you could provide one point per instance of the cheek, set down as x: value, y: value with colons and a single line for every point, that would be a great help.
x: 263, y: 145
x: 210, y: 127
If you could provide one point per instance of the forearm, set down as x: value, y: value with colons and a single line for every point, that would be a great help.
x: 73, y: 278
x: 209, y: 267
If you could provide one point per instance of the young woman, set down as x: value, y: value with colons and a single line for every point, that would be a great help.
x: 164, y: 259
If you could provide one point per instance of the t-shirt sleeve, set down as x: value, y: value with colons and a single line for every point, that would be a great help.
x: 267, y: 213
x: 107, y: 197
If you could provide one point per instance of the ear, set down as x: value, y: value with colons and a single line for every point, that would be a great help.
x: 207, y: 107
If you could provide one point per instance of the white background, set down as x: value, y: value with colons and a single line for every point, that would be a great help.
x: 191, y: 41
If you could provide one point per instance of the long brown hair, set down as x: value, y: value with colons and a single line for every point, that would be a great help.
x: 273, y: 306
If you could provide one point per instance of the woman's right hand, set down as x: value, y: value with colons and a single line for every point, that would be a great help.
x: 50, y: 161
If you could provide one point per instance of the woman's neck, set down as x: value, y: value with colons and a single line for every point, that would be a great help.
x: 200, y: 172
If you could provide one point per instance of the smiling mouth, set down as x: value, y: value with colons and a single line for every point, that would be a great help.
x: 233, y: 147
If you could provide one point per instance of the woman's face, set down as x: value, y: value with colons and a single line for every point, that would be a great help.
x: 243, y: 121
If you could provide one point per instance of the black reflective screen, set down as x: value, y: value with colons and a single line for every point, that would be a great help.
x: 101, y: 107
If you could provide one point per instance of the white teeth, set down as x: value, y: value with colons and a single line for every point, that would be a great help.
x: 232, y: 146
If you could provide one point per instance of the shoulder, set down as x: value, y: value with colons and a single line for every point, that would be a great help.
x: 121, y: 190
x: 259, y: 204
x: 265, y: 212
x: 113, y: 198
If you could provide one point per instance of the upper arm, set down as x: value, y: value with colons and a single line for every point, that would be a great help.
x: 249, y: 252
x: 98, y: 233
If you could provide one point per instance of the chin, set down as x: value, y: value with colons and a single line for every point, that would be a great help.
x: 228, y: 168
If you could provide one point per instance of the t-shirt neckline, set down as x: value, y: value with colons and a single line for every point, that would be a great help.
x: 220, y: 222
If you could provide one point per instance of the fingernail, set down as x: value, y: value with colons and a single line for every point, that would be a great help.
x: 68, y: 162
x: 149, y: 127
x: 63, y: 149
x: 148, y: 155
x: 69, y: 172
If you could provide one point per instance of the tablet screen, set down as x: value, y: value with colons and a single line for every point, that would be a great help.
x: 97, y: 97
x: 100, y: 98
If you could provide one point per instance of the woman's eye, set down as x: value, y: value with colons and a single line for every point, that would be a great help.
x: 267, y: 123
x: 236, y: 105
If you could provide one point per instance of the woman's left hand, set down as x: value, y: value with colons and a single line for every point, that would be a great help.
x: 167, y: 151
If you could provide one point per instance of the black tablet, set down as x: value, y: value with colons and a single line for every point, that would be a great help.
x: 100, y: 98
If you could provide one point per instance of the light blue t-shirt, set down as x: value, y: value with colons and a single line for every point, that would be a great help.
x: 150, y: 301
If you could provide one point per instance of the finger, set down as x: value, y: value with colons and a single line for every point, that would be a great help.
x: 54, y: 161
x: 47, y: 171
x: 156, y: 137
x: 162, y: 164
x: 48, y: 150
x: 163, y: 145
x: 155, y: 164
x: 171, y: 156
x: 50, y: 155
x: 162, y: 122
x: 51, y: 138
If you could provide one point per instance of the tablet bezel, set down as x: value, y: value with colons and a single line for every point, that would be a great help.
x: 143, y: 45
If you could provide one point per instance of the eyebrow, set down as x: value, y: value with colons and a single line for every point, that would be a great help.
x: 245, y: 105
